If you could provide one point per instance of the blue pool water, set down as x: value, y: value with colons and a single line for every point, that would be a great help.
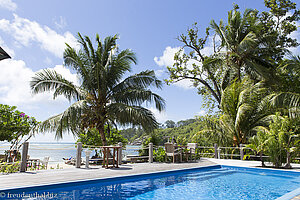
x: 203, y: 183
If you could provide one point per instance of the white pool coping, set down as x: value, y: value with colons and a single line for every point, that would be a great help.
x: 139, y: 167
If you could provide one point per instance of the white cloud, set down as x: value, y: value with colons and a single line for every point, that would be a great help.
x: 15, y: 89
x: 8, y: 4
x: 60, y: 23
x: 48, y: 61
x: 161, y: 117
x: 25, y: 31
x: 185, y: 84
x: 167, y: 59
x: 159, y: 72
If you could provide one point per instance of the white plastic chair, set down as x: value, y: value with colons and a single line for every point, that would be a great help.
x: 45, y: 161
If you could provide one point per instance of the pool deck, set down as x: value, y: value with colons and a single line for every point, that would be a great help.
x: 45, y: 177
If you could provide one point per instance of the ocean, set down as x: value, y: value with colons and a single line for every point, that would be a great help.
x: 58, y: 151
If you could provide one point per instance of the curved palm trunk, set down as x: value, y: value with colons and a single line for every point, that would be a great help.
x: 102, y: 134
x: 288, y: 161
x: 261, y: 159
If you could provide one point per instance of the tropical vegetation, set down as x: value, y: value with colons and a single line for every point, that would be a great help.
x: 249, y: 83
x: 15, y: 126
x: 104, y: 97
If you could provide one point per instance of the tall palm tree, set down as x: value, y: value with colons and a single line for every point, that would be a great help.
x: 243, y: 49
x: 103, y: 97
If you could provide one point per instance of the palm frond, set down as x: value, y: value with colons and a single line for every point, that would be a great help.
x: 135, y: 115
x: 68, y: 121
x: 50, y: 80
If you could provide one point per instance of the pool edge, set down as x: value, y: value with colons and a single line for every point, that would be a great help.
x: 110, y: 178
x: 287, y: 196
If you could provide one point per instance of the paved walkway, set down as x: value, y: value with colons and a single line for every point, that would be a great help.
x: 45, y: 177
x: 245, y: 163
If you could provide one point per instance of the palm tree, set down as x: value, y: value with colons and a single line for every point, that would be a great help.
x: 246, y: 109
x: 243, y: 49
x: 288, y: 96
x: 103, y: 97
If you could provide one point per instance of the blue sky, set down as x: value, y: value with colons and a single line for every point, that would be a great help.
x: 33, y: 32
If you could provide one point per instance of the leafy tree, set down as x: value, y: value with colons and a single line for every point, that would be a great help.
x: 185, y: 122
x: 276, y: 26
x: 170, y: 124
x: 91, y: 137
x: 132, y: 133
x: 251, y: 44
x: 15, y: 125
x: 205, y: 72
x: 104, y: 95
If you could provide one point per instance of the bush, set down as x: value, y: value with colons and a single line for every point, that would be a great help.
x: 159, y: 155
x: 6, y: 168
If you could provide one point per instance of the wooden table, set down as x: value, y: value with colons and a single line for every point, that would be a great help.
x: 106, y: 155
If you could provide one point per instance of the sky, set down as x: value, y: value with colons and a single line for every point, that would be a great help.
x: 34, y: 33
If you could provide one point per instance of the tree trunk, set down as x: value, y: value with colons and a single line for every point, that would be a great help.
x: 261, y: 159
x: 102, y: 134
x: 288, y: 161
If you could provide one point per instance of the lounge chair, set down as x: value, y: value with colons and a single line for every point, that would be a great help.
x: 171, y: 151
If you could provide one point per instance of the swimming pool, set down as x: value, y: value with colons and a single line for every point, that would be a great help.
x: 213, y: 182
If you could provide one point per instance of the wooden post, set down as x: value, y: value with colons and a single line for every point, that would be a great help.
x: 120, y: 153
x: 24, y: 157
x: 241, y: 152
x: 150, y: 152
x: 216, y: 150
x: 78, y: 154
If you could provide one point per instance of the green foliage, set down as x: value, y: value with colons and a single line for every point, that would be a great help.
x: 14, y: 125
x: 252, y: 44
x: 153, y: 138
x: 91, y: 137
x: 159, y: 154
x: 132, y: 133
x: 105, y: 96
x: 7, y: 168
x: 277, y: 25
x: 170, y: 124
x: 212, y: 133
x: 282, y: 140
